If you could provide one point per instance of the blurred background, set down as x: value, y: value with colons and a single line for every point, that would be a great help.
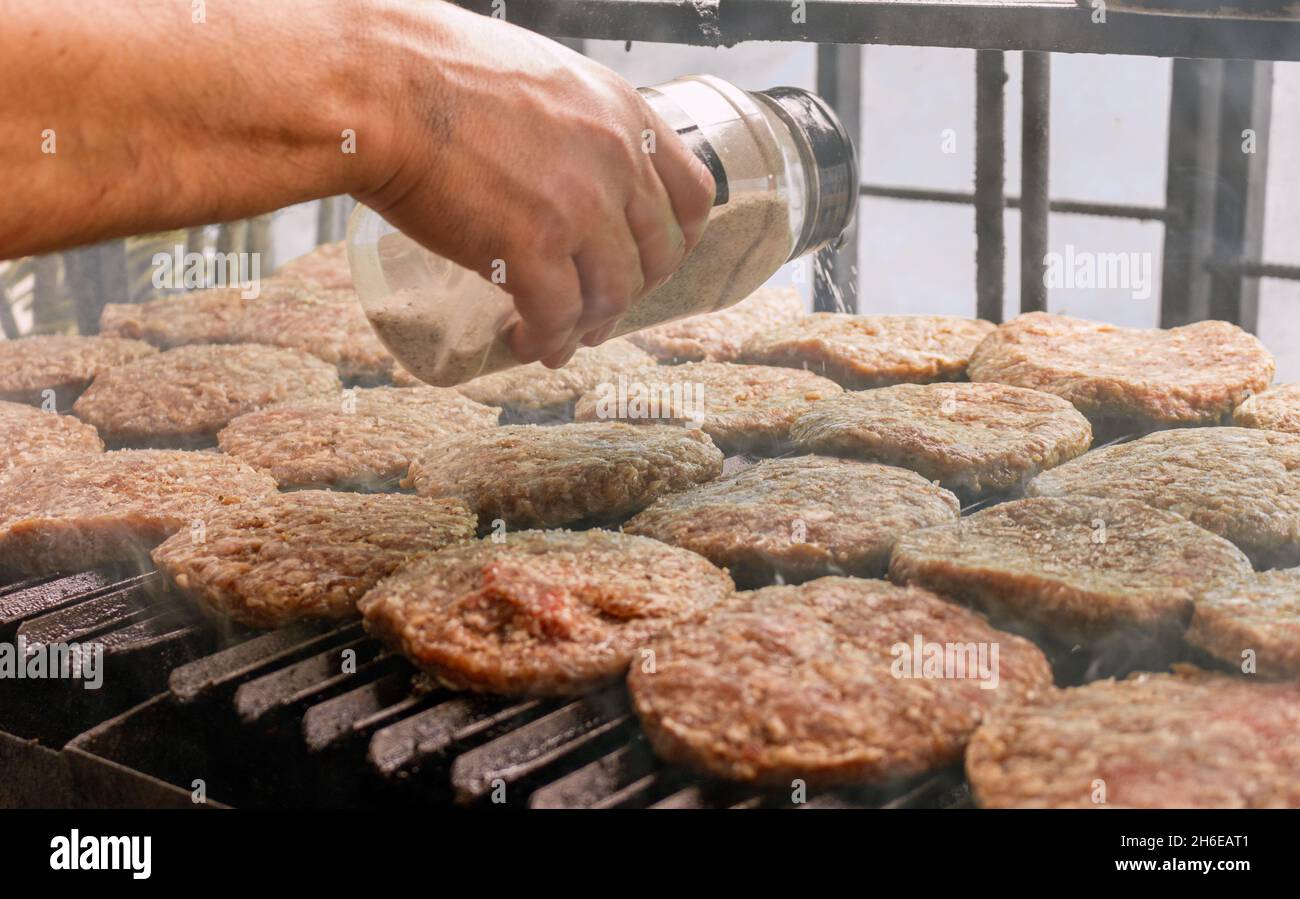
x: 1108, y: 144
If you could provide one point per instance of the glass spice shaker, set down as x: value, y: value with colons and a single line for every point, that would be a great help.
x: 786, y: 173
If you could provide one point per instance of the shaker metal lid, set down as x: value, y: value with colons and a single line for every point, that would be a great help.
x: 829, y: 155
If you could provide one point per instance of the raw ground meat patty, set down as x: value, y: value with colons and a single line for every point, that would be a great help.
x: 183, y: 397
x: 29, y: 436
x: 537, y: 392
x: 719, y: 336
x: 78, y: 511
x: 307, y: 554
x: 972, y: 438
x: 1273, y: 410
x: 872, y: 350
x: 530, y: 476
x: 329, y: 324
x: 816, y: 682
x: 326, y: 265
x: 326, y: 322
x: 542, y: 613
x: 744, y: 408
x: 1241, y: 484
x: 798, y: 518
x: 65, y: 364
x: 1259, y: 613
x: 360, y: 438
x: 1184, y: 740
x: 1129, y: 378
x: 1079, y: 569
x: 199, y: 316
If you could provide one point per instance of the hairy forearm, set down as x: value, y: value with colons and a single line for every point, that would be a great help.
x: 128, y: 117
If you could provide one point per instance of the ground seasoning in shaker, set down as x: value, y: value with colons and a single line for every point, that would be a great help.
x: 786, y: 174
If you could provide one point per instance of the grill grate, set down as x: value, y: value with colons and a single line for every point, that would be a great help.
x: 320, y: 715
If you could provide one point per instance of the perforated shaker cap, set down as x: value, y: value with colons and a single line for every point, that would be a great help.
x: 829, y: 158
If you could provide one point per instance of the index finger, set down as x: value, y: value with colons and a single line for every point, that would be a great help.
x: 688, y: 181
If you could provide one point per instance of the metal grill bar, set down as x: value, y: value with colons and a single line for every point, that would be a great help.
x: 1069, y: 207
x: 1035, y: 155
x: 839, y: 81
x: 990, y: 164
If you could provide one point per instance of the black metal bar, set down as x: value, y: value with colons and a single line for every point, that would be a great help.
x: 1189, y: 190
x: 1058, y: 26
x: 839, y: 81
x: 1245, y: 111
x: 990, y: 165
x: 1249, y: 269
x: 1067, y: 207
x: 1035, y: 156
x: 97, y: 275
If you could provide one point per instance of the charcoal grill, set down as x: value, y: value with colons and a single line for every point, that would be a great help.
x: 192, y: 705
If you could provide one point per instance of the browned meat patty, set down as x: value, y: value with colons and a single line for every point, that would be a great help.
x: 29, y: 436
x: 719, y: 336
x: 360, y: 438
x: 329, y: 324
x: 872, y: 350
x: 200, y: 316
x: 537, y: 392
x: 798, y: 518
x: 1240, y: 484
x: 306, y: 554
x: 183, y: 397
x: 974, y: 439
x: 542, y: 613
x: 1129, y: 378
x: 1255, y: 618
x: 822, y: 682
x: 326, y: 265
x: 530, y: 476
x: 64, y: 364
x: 77, y: 511
x: 1273, y: 410
x: 744, y: 408
x: 1078, y: 569
x: 1186, y: 740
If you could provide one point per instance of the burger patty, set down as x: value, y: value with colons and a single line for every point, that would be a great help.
x: 536, y: 393
x: 1129, y: 378
x: 326, y: 265
x: 1185, y: 740
x: 821, y: 682
x: 29, y: 436
x: 1241, y: 484
x: 63, y: 364
x: 199, y: 316
x: 1274, y: 410
x: 872, y: 350
x: 327, y: 323
x: 360, y: 438
x: 974, y: 439
x: 541, y: 613
x: 798, y: 518
x: 1255, y: 618
x: 77, y: 511
x: 307, y: 554
x: 744, y: 408
x: 183, y: 397
x: 1079, y: 569
x: 719, y: 336
x: 530, y: 476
